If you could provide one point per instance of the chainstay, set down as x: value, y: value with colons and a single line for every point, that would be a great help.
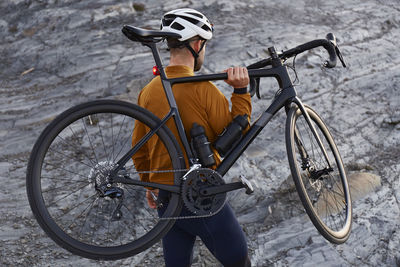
x: 164, y: 171
x: 185, y: 217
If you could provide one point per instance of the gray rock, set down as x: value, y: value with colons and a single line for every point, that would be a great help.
x: 55, y: 54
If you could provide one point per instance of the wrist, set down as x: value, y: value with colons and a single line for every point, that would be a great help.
x: 240, y: 91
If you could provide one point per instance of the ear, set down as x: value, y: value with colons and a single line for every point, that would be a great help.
x: 197, y: 45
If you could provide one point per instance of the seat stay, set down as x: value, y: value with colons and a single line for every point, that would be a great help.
x: 145, y: 36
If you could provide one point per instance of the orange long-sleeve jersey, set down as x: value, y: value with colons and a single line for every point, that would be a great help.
x: 199, y: 102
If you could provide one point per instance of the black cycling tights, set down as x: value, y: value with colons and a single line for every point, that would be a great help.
x: 221, y: 233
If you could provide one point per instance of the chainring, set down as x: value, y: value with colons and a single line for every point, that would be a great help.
x: 196, y: 202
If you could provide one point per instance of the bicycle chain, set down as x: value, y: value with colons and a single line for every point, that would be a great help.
x: 191, y: 216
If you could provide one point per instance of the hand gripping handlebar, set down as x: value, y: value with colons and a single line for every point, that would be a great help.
x: 329, y: 44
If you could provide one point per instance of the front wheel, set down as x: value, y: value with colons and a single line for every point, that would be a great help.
x: 319, y: 177
x: 70, y: 187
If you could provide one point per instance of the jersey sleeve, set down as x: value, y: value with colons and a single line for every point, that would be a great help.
x: 217, y: 107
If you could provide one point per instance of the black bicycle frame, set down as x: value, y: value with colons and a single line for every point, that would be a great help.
x: 286, y: 96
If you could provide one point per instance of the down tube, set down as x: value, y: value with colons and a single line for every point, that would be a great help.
x: 238, y: 150
x: 286, y: 96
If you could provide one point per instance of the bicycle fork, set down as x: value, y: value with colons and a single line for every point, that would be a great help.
x: 302, y: 151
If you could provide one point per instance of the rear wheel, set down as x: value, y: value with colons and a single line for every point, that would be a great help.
x: 320, y: 182
x: 70, y: 190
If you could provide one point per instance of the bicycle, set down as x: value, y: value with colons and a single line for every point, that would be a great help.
x: 84, y: 190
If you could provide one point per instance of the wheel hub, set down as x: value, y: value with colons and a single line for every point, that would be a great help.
x: 100, y: 177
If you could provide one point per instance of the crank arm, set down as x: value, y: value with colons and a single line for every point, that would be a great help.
x: 165, y: 187
x: 219, y: 189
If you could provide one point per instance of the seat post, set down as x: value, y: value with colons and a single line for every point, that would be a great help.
x: 157, y: 58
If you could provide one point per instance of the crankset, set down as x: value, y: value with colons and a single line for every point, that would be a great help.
x: 194, y: 190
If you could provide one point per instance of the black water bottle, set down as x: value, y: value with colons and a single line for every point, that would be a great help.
x: 202, y: 145
x: 231, y: 133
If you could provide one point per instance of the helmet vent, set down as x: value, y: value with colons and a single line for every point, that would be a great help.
x: 206, y: 28
x: 167, y: 21
x: 195, y: 14
x: 188, y: 23
x: 177, y: 26
x: 192, y: 20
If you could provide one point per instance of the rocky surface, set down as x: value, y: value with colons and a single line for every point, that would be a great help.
x: 55, y: 54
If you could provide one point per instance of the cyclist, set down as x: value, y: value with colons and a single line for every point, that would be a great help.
x: 200, y: 103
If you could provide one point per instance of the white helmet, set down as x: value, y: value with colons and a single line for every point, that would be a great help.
x: 188, y: 23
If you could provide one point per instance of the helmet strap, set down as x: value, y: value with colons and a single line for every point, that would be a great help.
x: 194, y: 53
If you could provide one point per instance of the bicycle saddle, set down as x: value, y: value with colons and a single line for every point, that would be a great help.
x: 141, y: 35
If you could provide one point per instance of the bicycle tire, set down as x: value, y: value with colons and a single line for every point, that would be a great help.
x: 78, y: 146
x: 324, y: 192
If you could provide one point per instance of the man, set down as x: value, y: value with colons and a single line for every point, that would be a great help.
x: 205, y: 105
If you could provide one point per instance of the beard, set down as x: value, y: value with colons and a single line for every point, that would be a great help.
x: 198, y: 64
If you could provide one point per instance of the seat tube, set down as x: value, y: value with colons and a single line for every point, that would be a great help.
x: 177, y: 119
x: 172, y: 103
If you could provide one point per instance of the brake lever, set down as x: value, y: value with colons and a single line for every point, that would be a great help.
x: 340, y: 56
x: 255, y: 87
x: 331, y: 37
x: 258, y: 88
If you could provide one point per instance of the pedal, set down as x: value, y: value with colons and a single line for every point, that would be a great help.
x: 247, y: 185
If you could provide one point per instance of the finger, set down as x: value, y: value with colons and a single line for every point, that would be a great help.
x: 227, y: 72
x: 230, y: 73
x: 240, y: 73
x: 246, y: 71
x: 235, y: 73
x: 245, y: 74
x: 150, y: 201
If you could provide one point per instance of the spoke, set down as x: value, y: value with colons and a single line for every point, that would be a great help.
x: 126, y: 139
x: 134, y: 218
x: 65, y: 155
x: 75, y: 146
x: 339, y: 208
x: 86, y: 217
x: 62, y: 186
x: 340, y: 184
x: 327, y: 211
x: 80, y: 215
x: 146, y: 210
x: 73, y: 192
x: 74, y: 207
x: 90, y: 141
x: 329, y: 208
x: 78, y: 174
x: 84, y: 152
x: 112, y: 137
x: 119, y: 226
x: 64, y: 179
x: 337, y: 193
x: 102, y: 140
x: 95, y: 222
x: 109, y: 223
x: 119, y: 132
